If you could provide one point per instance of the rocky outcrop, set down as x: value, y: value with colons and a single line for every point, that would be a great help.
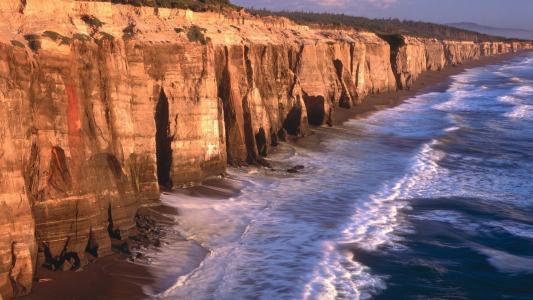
x: 102, y: 105
x: 268, y: 88
x: 17, y: 242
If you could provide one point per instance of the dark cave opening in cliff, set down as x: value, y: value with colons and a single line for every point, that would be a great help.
x: 315, y: 109
x: 261, y: 142
x: 293, y: 121
x: 163, y: 141
x: 92, y: 245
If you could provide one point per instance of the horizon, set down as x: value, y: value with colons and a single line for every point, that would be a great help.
x: 495, y: 13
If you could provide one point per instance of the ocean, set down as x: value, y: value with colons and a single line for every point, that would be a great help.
x: 431, y: 199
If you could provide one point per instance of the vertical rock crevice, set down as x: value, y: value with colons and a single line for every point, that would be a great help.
x: 345, y: 99
x: 12, y: 277
x: 59, y: 176
x: 163, y: 141
x: 227, y: 92
x: 396, y: 42
x: 114, y: 233
x: 92, y: 244
x: 31, y: 174
x: 249, y: 135
x: 293, y: 121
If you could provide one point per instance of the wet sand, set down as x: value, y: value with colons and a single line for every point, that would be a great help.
x: 115, y: 277
x: 111, y: 277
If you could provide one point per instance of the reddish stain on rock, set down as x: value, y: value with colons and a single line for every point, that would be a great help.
x: 73, y: 116
x: 75, y: 140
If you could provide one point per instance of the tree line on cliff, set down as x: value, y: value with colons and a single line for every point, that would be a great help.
x: 381, y: 26
x: 195, y: 5
x: 329, y: 20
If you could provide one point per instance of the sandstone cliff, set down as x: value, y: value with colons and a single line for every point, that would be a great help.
x: 101, y: 105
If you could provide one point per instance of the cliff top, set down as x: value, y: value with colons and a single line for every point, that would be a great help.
x: 66, y: 19
x: 48, y: 23
x: 328, y: 20
x: 194, y: 5
x: 382, y: 26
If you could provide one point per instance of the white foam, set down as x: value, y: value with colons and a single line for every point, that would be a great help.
x: 524, y: 90
x: 525, y: 63
x: 521, y: 112
x: 506, y: 262
x: 509, y: 99
x: 223, y: 226
x: 460, y: 90
x: 372, y: 225
x: 455, y: 103
x: 452, y: 129
x: 519, y: 80
x: 339, y: 275
x: 374, y: 221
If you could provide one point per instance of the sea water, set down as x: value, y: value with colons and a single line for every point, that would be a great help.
x: 431, y: 199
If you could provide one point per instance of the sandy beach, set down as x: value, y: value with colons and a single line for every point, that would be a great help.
x: 115, y: 277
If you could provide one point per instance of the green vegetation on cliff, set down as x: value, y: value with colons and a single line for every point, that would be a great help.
x: 196, y: 5
x: 330, y: 20
x: 381, y: 26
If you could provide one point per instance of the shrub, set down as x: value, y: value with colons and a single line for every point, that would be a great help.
x: 129, y: 31
x: 92, y: 21
x: 104, y: 36
x: 395, y: 40
x: 195, y: 5
x: 17, y: 44
x: 34, y: 41
x: 81, y: 37
x: 196, y: 34
x: 57, y: 37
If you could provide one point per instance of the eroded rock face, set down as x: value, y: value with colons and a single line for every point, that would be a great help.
x: 79, y: 142
x: 101, y: 105
x: 457, y: 52
x: 412, y: 56
x: 17, y: 239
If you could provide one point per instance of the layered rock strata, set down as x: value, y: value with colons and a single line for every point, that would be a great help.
x: 101, y: 105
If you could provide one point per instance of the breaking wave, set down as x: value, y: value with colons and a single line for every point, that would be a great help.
x: 387, y: 205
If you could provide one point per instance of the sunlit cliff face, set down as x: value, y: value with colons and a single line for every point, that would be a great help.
x: 86, y: 86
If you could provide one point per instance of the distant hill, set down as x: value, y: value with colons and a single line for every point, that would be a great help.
x: 503, y: 32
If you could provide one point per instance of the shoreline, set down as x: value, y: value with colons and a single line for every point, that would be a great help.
x: 429, y: 81
x: 114, y: 277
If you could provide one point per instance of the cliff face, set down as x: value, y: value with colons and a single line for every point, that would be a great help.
x: 102, y: 104
x: 412, y: 56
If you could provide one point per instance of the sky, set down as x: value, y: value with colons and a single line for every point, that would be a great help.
x: 497, y: 13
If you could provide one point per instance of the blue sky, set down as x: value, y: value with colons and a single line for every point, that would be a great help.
x: 499, y: 13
